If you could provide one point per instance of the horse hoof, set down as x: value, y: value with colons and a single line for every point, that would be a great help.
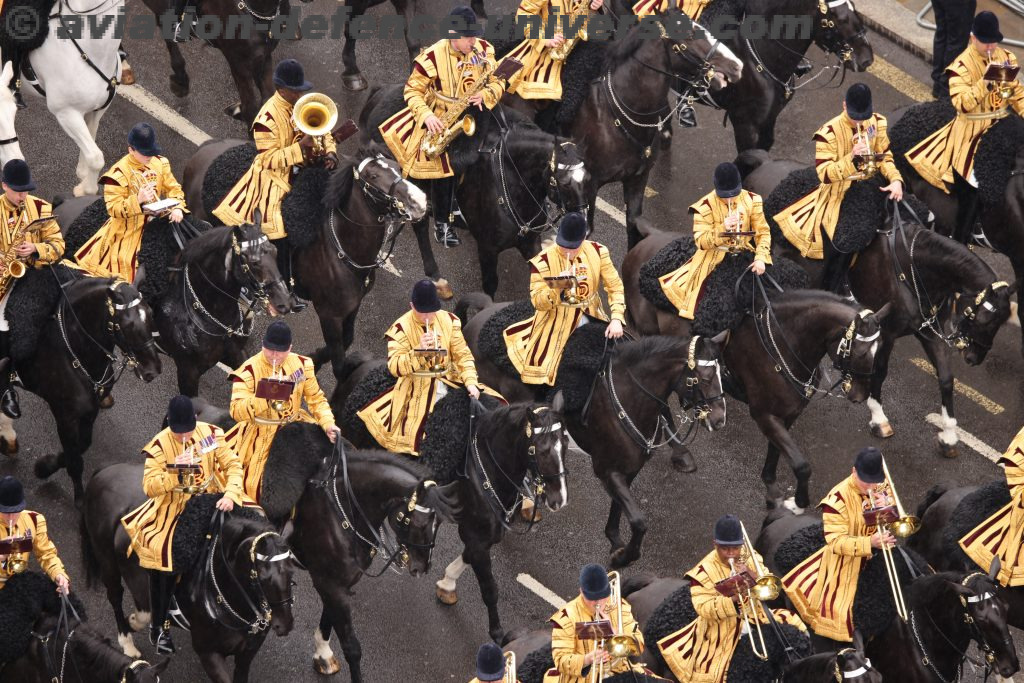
x: 128, y: 646
x: 949, y: 450
x: 127, y: 74
x: 326, y: 667
x: 619, y: 559
x: 179, y: 89
x: 107, y: 401
x: 882, y: 431
x: 446, y: 597
x: 444, y: 289
x: 683, y: 461
x: 8, y: 446
x: 354, y: 82
x: 45, y: 466
x: 531, y: 514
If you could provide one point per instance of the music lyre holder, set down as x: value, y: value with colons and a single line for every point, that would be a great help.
x: 161, y: 206
x: 1001, y: 73
x: 16, y: 544
x: 733, y: 585
x: 881, y: 515
x: 274, y: 389
x: 437, y: 362
x: 734, y: 237
x: 595, y: 630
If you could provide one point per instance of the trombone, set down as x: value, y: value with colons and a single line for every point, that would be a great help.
x: 620, y: 645
x: 754, y: 590
x: 894, y: 519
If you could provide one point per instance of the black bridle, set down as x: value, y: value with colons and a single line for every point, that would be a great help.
x: 860, y: 672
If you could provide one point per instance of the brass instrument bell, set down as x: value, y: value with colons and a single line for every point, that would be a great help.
x: 315, y: 115
x: 16, y: 548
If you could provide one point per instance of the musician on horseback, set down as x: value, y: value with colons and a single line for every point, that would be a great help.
x: 573, y: 654
x: 727, y: 209
x: 1000, y: 535
x: 184, y: 459
x: 946, y: 158
x: 535, y: 345
x: 490, y: 664
x: 21, y: 531
x: 139, y: 178
x: 442, y: 75
x: 27, y: 241
x: 843, y: 146
x: 428, y: 355
x: 701, y: 651
x: 282, y: 150
x: 823, y: 587
x: 266, y: 394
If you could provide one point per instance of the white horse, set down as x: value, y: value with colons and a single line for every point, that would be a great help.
x: 9, y: 146
x: 78, y: 78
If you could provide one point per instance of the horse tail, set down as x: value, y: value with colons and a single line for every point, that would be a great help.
x: 934, y: 493
x: 477, y: 300
x: 749, y: 160
x: 89, y: 558
x: 636, y: 582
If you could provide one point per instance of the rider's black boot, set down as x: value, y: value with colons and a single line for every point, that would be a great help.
x: 442, y: 192
x: 967, y: 208
x: 8, y: 398
x: 161, y: 588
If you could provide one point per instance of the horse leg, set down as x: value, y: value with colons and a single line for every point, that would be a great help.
x: 446, y: 587
x: 611, y: 528
x: 340, y: 615
x: 769, y: 476
x: 90, y: 158
x: 188, y: 375
x: 409, y: 9
x: 115, y: 596
x: 779, y: 438
x: 618, y: 485
x: 324, y: 660
x: 430, y: 269
x: 479, y: 558
x: 216, y: 666
x: 488, y: 267
x: 633, y: 194
x: 8, y: 437
x: 880, y: 426
x: 334, y: 345
x: 351, y: 77
x: 179, y: 77
x: 938, y: 354
x: 248, y: 94
x: 243, y: 663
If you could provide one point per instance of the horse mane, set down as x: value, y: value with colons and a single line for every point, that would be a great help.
x: 931, y: 588
x: 215, y: 238
x: 378, y: 457
x: 515, y: 414
x: 341, y: 180
x: 619, y: 51
x: 636, y: 352
x: 960, y: 259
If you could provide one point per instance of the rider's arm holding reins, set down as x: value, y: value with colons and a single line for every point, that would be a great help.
x: 612, y: 285
x: 230, y: 465
x: 837, y: 533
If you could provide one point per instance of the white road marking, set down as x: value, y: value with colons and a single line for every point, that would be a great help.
x: 613, y: 212
x: 151, y: 104
x: 541, y: 591
x: 972, y: 441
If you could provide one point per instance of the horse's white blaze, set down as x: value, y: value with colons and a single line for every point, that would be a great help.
x: 948, y: 434
x: 418, y: 198
x: 139, y: 620
x: 142, y: 315
x: 721, y: 48
x: 451, y: 574
x: 874, y: 349
x: 128, y: 646
x: 877, y: 414
x: 321, y: 648
x: 579, y: 174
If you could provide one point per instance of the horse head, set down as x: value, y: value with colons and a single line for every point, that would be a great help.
x: 702, y: 377
x: 986, y: 613
x: 255, y: 264
x: 569, y: 178
x: 841, y: 31
x: 141, y: 671
x: 854, y: 355
x: 982, y: 319
x: 268, y: 562
x: 9, y: 146
x: 132, y: 326
x: 416, y: 520
x: 853, y: 666
x: 700, y: 59
x: 548, y: 441
x: 387, y: 191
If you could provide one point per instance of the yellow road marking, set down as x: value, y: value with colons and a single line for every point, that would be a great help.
x: 973, y: 394
x: 900, y: 80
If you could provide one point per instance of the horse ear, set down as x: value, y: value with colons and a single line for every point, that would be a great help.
x: 721, y: 339
x: 558, y: 402
x: 140, y: 276
x: 883, y: 311
x: 444, y: 500
x: 858, y: 641
x: 993, y: 569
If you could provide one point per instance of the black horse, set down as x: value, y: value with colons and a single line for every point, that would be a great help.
x: 618, y: 123
x: 511, y: 170
x: 350, y: 221
x: 946, y: 612
x: 73, y: 363
x: 770, y: 65
x: 803, y: 327
x: 227, y: 617
x: 941, y: 292
x: 617, y: 406
x: 505, y: 447
x: 200, y: 313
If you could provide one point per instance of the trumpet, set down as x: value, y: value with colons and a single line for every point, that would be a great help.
x: 866, y: 164
x: 620, y: 646
x: 754, y: 590
x: 510, y: 668
x: 734, y: 236
x: 895, y: 520
x: 147, y: 179
x: 277, y: 374
x: 436, y: 357
x: 315, y: 115
x: 15, y: 549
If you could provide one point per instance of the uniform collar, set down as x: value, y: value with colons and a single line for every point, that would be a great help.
x: 135, y: 164
x: 7, y: 204
x: 282, y: 102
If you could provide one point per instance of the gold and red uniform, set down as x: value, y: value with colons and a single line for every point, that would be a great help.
x: 114, y: 250
x: 541, y: 76
x: 268, y: 180
x: 151, y: 526
x: 691, y: 8
x: 683, y: 285
x: 568, y: 651
x: 440, y: 76
x: 803, y: 221
x: 42, y: 547
x: 46, y: 237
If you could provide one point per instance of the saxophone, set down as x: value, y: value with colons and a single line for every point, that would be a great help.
x: 10, y: 267
x: 560, y: 53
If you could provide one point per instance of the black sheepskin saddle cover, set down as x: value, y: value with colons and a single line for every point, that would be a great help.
x: 193, y: 524
x: 873, y: 608
x: 718, y: 308
x: 445, y: 436
x: 676, y: 611
x: 23, y: 600
x: 32, y: 303
x: 296, y: 454
x: 157, y: 252
x: 34, y: 38
x: 861, y: 213
x: 492, y: 334
x: 973, y: 509
x: 302, y: 209
x: 997, y: 151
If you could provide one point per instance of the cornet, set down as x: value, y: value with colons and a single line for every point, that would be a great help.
x: 734, y: 236
x: 157, y: 207
x: 894, y: 519
x: 569, y: 286
x: 15, y: 548
x: 436, y: 357
x: 620, y: 646
x: 866, y: 164
x: 754, y: 590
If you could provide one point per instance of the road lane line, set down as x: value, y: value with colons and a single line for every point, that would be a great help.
x: 973, y: 394
x: 900, y: 80
x: 541, y: 591
x: 612, y: 212
x: 151, y: 104
x: 972, y: 441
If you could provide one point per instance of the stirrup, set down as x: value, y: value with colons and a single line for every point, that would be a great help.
x: 181, y: 34
x: 687, y: 116
x: 177, y: 616
x: 980, y: 239
x: 445, y: 235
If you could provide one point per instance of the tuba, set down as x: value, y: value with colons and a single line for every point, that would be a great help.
x: 510, y: 668
x: 754, y: 590
x: 620, y: 646
x: 315, y: 115
x: 894, y: 519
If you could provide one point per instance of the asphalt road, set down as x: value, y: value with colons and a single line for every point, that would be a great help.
x: 405, y: 633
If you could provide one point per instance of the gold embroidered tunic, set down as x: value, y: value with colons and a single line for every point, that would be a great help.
x: 42, y: 547
x: 258, y: 422
x: 683, y: 285
x: 701, y: 651
x: 268, y: 180
x: 46, y: 237
x: 803, y: 221
x: 691, y: 8
x: 953, y: 147
x: 541, y: 76
x: 151, y: 526
x: 1002, y: 534
x: 823, y: 587
x: 535, y: 345
x: 439, y: 74
x: 397, y: 417
x: 568, y: 651
x: 114, y: 250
